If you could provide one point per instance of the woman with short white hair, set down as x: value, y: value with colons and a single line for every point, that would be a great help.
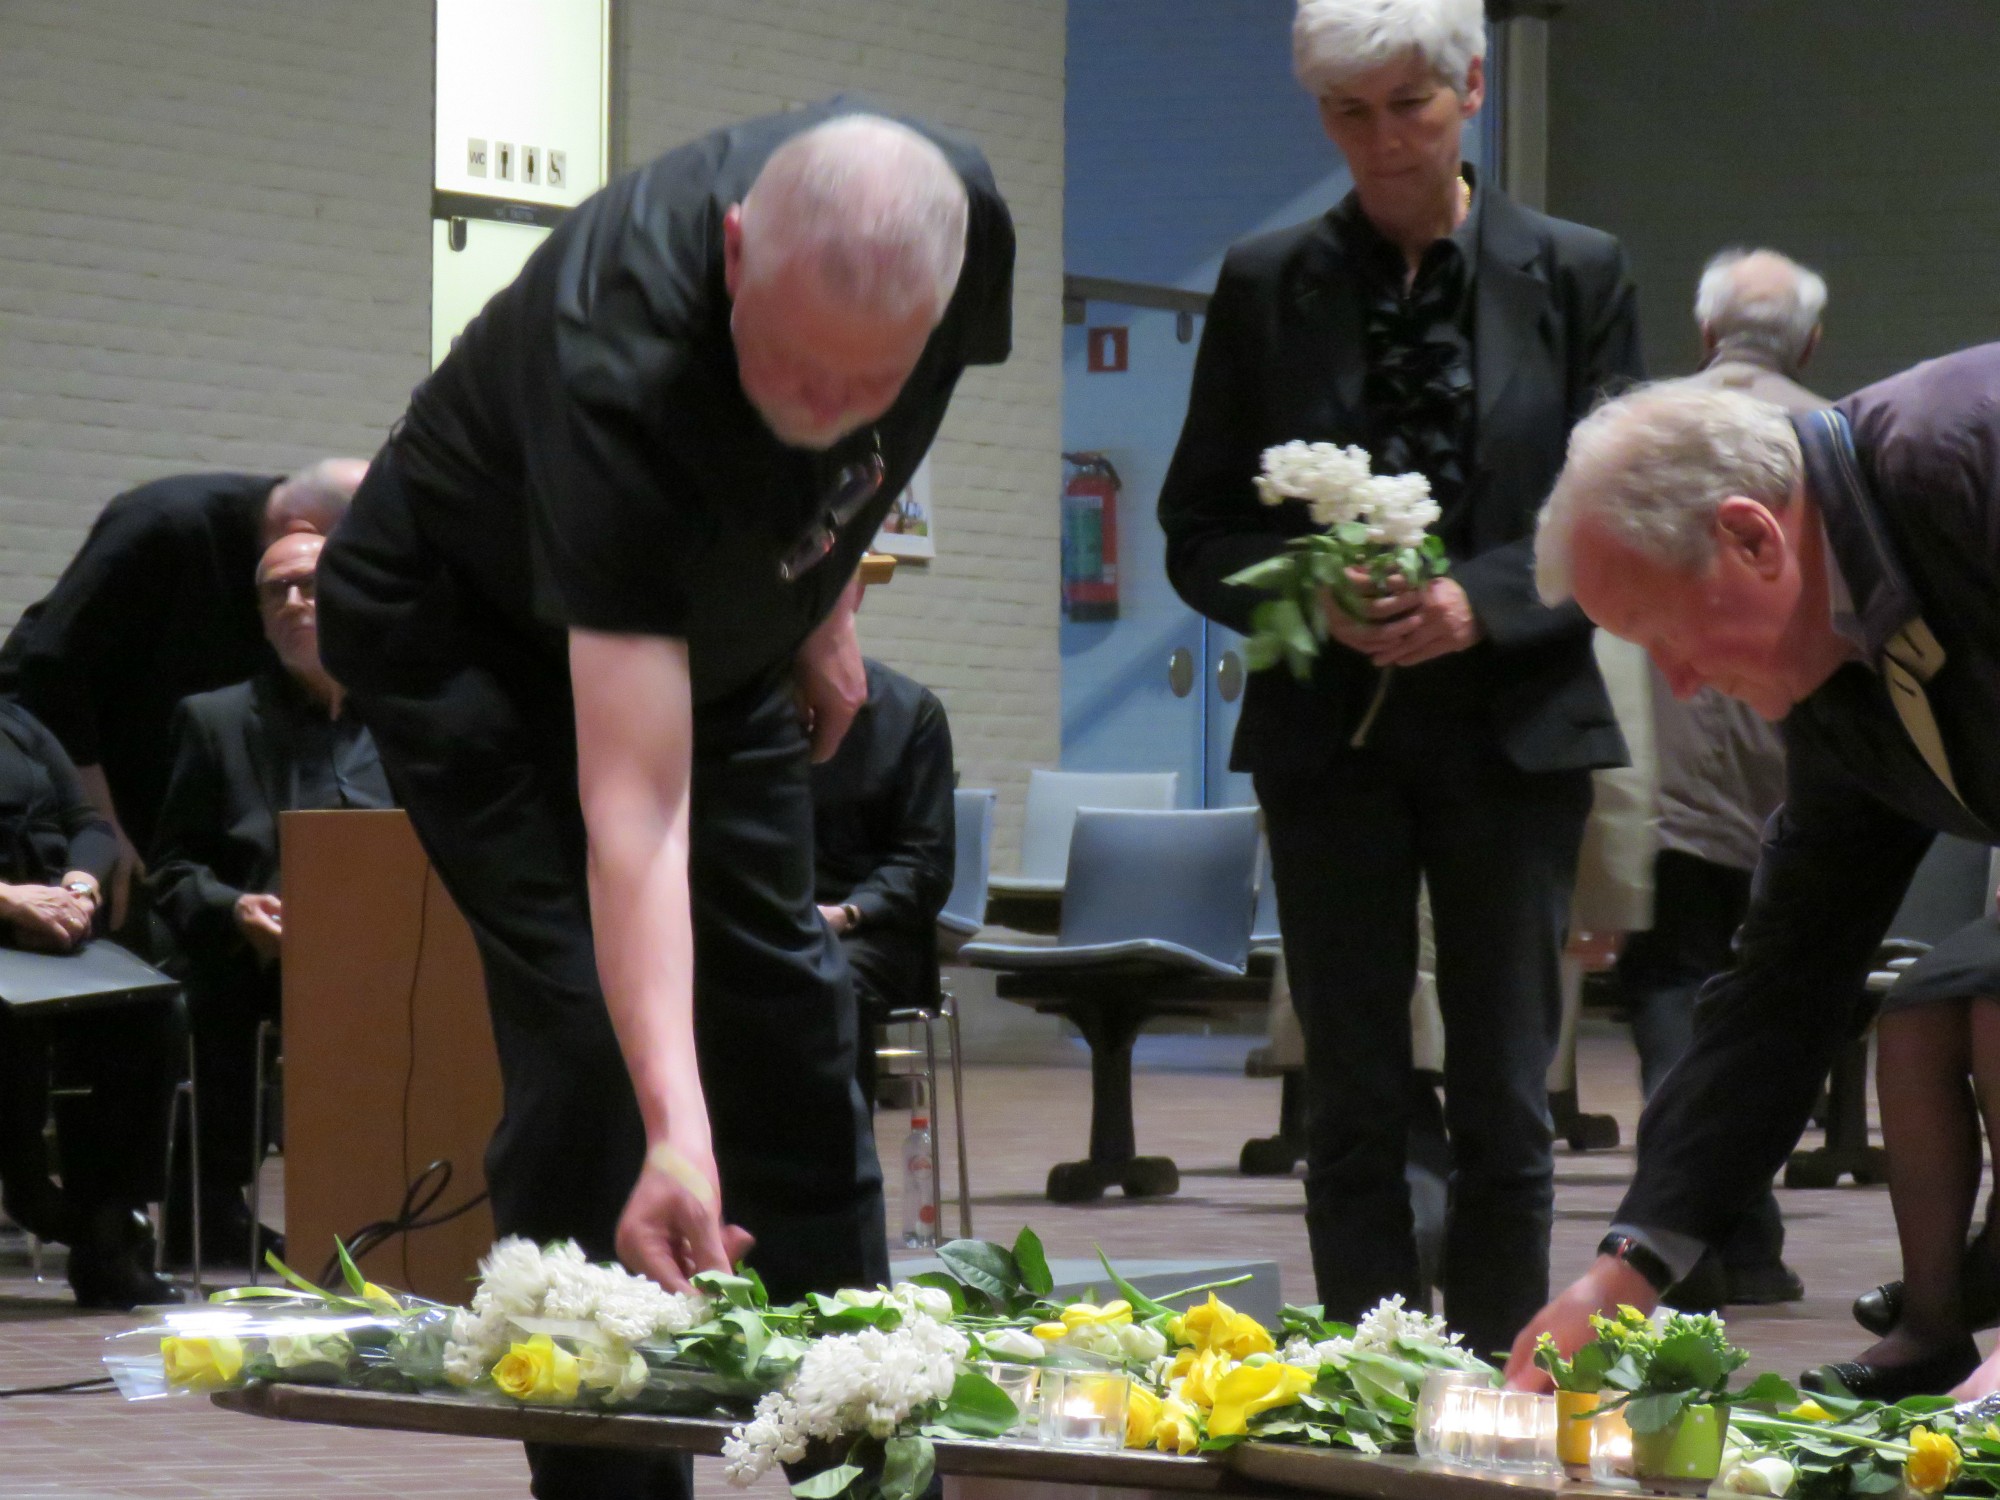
x: 1453, y: 333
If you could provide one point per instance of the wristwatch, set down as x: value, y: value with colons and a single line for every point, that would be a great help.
x: 1623, y: 1247
x: 852, y: 913
x: 82, y: 888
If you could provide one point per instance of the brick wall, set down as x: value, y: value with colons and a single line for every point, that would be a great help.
x: 1856, y: 136
x: 214, y: 247
x: 978, y: 625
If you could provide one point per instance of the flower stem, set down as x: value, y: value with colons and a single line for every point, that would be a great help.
x: 1360, y: 735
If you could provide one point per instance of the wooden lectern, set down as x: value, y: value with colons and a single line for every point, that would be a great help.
x: 389, y: 1060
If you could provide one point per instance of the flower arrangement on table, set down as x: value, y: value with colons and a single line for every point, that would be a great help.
x: 854, y: 1387
x: 1373, y: 524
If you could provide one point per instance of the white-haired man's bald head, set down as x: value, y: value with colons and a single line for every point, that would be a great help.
x: 1761, y: 302
x: 869, y: 207
x: 840, y: 261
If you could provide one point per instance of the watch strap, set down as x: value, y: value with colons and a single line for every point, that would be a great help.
x: 1624, y: 1247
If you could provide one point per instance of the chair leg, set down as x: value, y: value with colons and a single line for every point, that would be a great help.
x: 1110, y: 1029
x: 167, y: 1196
x: 1276, y: 1155
x: 1846, y: 1151
x: 948, y: 1008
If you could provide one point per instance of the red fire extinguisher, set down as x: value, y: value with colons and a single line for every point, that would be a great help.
x: 1089, y: 537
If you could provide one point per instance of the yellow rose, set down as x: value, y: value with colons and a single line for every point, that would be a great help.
x: 1177, y: 1429
x: 1217, y: 1325
x: 1249, y: 1389
x: 202, y: 1364
x: 1934, y: 1463
x: 1142, y: 1417
x: 1812, y: 1411
x: 538, y: 1371
x: 1088, y: 1315
x: 1198, y: 1382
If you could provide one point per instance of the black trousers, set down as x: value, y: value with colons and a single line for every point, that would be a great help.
x: 893, y: 970
x: 1697, y: 907
x: 474, y: 722
x: 1498, y: 849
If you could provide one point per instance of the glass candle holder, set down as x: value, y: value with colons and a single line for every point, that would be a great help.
x: 1431, y: 1416
x: 1611, y: 1450
x: 1022, y: 1383
x: 1084, y: 1408
x: 1477, y: 1426
x: 1524, y: 1433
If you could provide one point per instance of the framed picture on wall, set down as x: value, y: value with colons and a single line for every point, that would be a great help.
x: 910, y: 528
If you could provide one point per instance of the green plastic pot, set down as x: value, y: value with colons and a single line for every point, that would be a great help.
x: 1683, y: 1457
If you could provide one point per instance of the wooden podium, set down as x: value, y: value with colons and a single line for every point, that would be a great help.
x: 389, y: 1060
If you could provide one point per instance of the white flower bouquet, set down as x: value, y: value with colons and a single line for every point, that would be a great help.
x: 1374, y: 524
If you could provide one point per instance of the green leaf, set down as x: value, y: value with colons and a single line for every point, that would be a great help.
x: 1032, y: 1263
x: 755, y: 1334
x: 1272, y: 572
x: 1769, y: 1389
x: 1143, y: 1307
x: 1349, y: 534
x: 355, y: 1280
x: 1656, y: 1410
x: 737, y: 1291
x: 1872, y: 1479
x: 983, y: 1266
x: 271, y: 1260
x: 978, y: 1407
x: 827, y: 1483
x: 907, y: 1464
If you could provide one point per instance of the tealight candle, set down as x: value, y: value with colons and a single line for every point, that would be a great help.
x: 1611, y: 1450
x: 1084, y: 1408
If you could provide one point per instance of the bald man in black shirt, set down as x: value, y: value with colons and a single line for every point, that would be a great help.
x: 580, y: 602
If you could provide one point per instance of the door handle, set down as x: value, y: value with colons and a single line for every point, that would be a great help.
x: 1180, y: 672
x: 1229, y: 677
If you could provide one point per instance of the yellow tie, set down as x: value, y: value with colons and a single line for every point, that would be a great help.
x: 1911, y: 659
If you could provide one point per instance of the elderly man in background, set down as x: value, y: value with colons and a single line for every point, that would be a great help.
x: 1839, y: 570
x: 582, y: 600
x: 1721, y: 769
x: 242, y: 755
x: 157, y: 604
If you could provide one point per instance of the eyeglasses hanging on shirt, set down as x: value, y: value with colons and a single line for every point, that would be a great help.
x: 853, y: 487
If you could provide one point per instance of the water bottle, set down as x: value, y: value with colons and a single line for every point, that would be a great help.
x: 919, y: 1185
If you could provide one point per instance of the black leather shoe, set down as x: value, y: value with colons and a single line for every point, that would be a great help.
x: 1934, y: 1376
x: 1879, y: 1310
x: 1764, y: 1286
x: 111, y: 1262
x: 1702, y: 1290
x: 225, y: 1237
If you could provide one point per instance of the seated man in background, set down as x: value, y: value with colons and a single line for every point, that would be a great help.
x: 156, y: 605
x: 884, y: 843
x: 55, y: 851
x: 242, y: 755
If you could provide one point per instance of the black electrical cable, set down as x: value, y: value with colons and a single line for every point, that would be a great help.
x: 422, y: 1194
x: 95, y: 1386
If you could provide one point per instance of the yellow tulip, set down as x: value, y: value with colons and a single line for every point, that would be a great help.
x: 1089, y: 1315
x: 1217, y: 1325
x: 1934, y: 1463
x: 538, y: 1370
x: 1142, y: 1417
x: 379, y: 1299
x: 1811, y: 1411
x: 1049, y: 1332
x: 202, y: 1364
x: 1177, y: 1428
x: 1198, y: 1383
x: 1249, y: 1389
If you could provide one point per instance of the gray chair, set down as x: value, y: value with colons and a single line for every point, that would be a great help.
x: 1950, y: 888
x: 965, y: 908
x: 1156, y: 922
x: 1050, y: 816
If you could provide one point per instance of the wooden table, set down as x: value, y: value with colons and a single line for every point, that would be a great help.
x: 972, y: 1470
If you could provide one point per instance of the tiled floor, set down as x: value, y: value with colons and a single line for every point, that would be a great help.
x: 1021, y: 1120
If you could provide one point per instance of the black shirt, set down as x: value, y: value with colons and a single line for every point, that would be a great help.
x: 585, y: 456
x: 884, y: 835
x: 47, y: 824
x: 158, y: 603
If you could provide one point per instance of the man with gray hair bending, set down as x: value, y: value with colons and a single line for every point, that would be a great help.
x: 590, y: 604
x: 1838, y: 570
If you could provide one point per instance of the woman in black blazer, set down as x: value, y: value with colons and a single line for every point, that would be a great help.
x: 1452, y: 332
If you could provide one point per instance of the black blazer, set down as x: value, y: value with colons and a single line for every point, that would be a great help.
x: 1282, y: 358
x: 218, y: 827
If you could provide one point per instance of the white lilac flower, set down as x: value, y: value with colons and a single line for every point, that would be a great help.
x: 1337, y: 486
x: 1390, y: 1321
x: 865, y: 1382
